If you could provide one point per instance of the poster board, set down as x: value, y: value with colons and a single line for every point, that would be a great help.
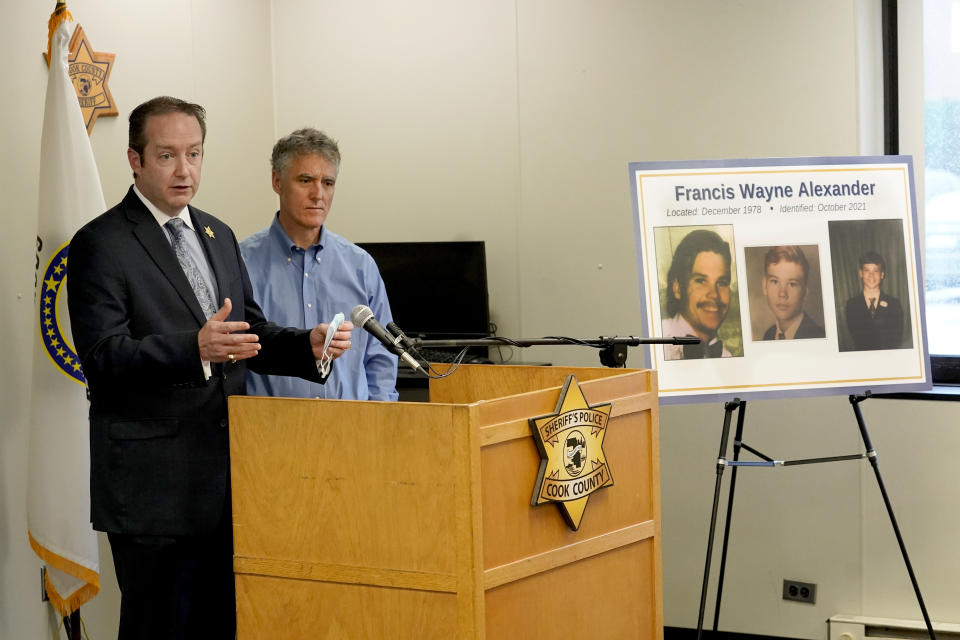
x: 801, y: 276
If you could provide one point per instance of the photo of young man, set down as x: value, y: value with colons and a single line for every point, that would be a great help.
x: 785, y: 292
x: 699, y: 294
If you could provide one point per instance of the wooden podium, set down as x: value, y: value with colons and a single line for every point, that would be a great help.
x: 413, y: 520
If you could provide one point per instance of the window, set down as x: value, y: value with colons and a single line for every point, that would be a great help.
x: 921, y: 84
x: 941, y: 111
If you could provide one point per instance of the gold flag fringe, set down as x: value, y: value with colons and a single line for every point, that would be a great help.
x: 66, y: 606
x: 58, y: 17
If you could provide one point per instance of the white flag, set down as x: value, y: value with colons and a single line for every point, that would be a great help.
x: 58, y: 500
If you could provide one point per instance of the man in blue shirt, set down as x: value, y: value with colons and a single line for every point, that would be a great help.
x: 304, y: 274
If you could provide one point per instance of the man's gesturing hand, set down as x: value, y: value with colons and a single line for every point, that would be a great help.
x: 219, y: 343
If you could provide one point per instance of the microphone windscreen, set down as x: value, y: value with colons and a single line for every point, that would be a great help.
x: 361, y: 314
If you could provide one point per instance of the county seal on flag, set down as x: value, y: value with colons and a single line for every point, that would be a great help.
x: 572, y: 461
x: 53, y: 316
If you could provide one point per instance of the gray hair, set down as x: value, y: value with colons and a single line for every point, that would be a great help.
x: 304, y: 141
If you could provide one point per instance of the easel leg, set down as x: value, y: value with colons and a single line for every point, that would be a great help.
x: 728, y: 407
x: 872, y: 455
x: 737, y: 441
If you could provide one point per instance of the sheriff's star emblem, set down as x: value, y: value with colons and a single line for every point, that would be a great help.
x: 90, y: 72
x: 209, y: 231
x: 570, y: 442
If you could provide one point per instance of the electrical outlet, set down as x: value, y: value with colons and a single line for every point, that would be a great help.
x: 800, y: 591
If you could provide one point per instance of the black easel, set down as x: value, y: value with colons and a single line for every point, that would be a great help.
x: 740, y: 406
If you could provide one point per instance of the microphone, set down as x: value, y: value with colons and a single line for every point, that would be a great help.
x: 408, y: 344
x: 362, y: 316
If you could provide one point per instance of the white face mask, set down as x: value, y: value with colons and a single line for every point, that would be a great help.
x: 326, y: 360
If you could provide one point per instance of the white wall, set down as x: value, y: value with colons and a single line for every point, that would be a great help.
x: 21, y: 613
x: 423, y: 99
x: 513, y: 122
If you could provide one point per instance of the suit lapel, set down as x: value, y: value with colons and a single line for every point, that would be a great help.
x: 155, y: 243
x: 803, y: 328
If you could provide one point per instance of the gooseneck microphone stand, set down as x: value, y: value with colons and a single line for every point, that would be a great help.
x: 613, y: 349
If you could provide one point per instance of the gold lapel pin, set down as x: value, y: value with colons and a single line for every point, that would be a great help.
x: 209, y: 231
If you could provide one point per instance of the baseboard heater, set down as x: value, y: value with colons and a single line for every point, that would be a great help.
x: 845, y: 627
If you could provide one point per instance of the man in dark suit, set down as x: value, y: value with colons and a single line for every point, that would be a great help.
x: 785, y: 277
x: 145, y: 282
x: 874, y: 318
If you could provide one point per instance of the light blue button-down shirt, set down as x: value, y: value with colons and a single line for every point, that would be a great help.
x: 302, y: 288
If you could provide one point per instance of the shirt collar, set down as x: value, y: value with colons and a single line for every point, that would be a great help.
x: 160, y: 216
x: 790, y: 329
x: 684, y: 327
x: 280, y: 237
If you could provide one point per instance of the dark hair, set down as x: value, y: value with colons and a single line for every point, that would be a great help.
x: 693, y: 244
x: 791, y: 253
x: 161, y: 105
x: 304, y: 141
x: 872, y: 257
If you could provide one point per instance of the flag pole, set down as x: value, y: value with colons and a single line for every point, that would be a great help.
x: 71, y: 622
x: 58, y: 17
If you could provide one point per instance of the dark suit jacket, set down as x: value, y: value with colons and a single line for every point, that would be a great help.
x: 881, y: 332
x: 808, y: 329
x: 158, y: 430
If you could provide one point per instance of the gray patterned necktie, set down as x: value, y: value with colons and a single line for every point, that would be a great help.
x: 190, y: 269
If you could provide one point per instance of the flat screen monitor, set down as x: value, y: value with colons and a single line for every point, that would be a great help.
x: 437, y: 290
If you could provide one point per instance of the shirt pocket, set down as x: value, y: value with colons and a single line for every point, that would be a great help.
x: 144, y: 429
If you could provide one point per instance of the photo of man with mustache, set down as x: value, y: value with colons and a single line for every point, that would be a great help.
x: 698, y: 295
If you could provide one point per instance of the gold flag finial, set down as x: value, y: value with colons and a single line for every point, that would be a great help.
x: 59, y: 16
